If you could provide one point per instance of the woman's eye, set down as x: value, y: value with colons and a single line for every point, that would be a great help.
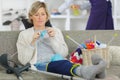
x: 43, y: 14
x: 36, y: 15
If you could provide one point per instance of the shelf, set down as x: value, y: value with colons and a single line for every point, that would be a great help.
x: 118, y: 17
x: 79, y: 17
x: 65, y: 16
x: 58, y: 16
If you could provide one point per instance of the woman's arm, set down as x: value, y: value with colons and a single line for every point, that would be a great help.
x: 65, y: 5
x: 68, y: 3
x: 58, y: 44
x: 85, y: 5
x: 25, y: 50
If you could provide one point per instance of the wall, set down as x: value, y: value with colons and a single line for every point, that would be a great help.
x: 60, y: 22
x: 15, y: 4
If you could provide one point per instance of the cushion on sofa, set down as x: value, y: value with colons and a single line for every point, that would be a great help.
x: 114, y: 51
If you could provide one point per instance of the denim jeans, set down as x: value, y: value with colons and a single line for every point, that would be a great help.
x: 41, y: 66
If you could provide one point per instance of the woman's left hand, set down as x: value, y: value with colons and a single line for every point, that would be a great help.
x: 51, y: 31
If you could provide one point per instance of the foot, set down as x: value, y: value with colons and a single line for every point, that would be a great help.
x: 96, y: 59
x: 101, y: 75
x: 90, y: 72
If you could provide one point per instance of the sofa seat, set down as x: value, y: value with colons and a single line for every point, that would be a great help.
x: 113, y: 73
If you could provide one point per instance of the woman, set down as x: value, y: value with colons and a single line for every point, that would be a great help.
x: 45, y: 49
x: 100, y: 14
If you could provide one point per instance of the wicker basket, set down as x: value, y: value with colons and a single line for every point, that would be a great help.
x: 87, y: 53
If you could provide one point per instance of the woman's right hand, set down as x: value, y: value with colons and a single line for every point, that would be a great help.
x: 35, y: 37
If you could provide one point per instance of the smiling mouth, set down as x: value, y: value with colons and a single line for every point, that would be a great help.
x: 40, y: 21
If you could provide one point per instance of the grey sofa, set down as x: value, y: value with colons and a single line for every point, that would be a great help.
x: 8, y: 45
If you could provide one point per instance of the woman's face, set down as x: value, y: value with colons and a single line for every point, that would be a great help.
x: 39, y: 18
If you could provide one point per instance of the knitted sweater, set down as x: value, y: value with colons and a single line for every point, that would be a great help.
x: 26, y: 53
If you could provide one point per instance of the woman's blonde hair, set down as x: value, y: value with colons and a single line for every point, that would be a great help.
x: 35, y: 7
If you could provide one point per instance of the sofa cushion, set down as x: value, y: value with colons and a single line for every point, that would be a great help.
x: 114, y: 51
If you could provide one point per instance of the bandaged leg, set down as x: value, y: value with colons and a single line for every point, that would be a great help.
x: 87, y: 72
x: 63, y: 67
x: 95, y: 61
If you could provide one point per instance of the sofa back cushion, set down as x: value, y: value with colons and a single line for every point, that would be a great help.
x: 8, y: 39
x: 80, y: 36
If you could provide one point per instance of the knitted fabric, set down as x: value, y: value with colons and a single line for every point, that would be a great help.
x: 76, y: 56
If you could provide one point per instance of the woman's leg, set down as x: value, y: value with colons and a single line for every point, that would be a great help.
x: 41, y: 66
x: 87, y: 72
x: 97, y: 70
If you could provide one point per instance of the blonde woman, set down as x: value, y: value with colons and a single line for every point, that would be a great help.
x: 45, y: 49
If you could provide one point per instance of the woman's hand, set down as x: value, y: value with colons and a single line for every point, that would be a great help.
x: 35, y: 37
x: 51, y: 31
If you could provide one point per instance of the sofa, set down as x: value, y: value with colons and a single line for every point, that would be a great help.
x: 8, y: 45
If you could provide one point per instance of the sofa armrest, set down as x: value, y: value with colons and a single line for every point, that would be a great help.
x: 114, y: 52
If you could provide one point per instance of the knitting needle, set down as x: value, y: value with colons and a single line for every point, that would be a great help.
x: 95, y: 40
x: 74, y: 41
x: 115, y: 35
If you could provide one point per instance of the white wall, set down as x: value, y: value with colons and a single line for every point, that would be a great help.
x: 15, y: 4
